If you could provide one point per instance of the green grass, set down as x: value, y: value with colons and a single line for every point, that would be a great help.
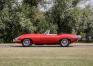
x: 46, y: 56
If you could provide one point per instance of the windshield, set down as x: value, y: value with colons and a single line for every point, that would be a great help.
x: 47, y: 32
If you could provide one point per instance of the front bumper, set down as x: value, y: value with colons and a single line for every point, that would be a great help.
x: 16, y: 41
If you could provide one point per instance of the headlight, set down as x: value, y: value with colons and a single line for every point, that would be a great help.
x: 14, y: 40
x: 78, y: 36
x: 17, y: 38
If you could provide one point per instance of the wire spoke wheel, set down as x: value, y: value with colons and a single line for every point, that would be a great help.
x: 64, y: 42
x: 26, y: 42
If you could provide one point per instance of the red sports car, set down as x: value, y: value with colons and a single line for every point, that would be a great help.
x: 50, y: 39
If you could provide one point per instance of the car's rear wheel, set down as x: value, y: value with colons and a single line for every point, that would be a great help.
x: 64, y: 42
x: 26, y: 42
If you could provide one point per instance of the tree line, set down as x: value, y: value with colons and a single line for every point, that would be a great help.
x: 25, y: 17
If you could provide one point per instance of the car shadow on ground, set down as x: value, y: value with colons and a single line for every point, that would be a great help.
x: 41, y: 46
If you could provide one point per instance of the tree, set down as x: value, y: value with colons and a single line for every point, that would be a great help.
x: 36, y: 17
x: 10, y: 21
x: 31, y: 2
x: 61, y: 16
x: 1, y: 4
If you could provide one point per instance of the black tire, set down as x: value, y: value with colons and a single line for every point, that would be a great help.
x: 64, y: 42
x: 26, y: 43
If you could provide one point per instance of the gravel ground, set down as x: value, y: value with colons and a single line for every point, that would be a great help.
x: 78, y: 54
x: 77, y: 45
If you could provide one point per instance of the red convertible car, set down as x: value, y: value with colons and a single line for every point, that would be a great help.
x: 50, y: 39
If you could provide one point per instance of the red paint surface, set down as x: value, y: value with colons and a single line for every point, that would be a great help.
x: 47, y: 38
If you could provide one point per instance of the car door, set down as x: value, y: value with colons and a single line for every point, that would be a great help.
x: 49, y: 38
x: 40, y: 39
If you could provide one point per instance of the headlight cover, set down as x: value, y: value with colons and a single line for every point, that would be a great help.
x: 78, y: 36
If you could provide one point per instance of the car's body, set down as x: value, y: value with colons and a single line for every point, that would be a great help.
x: 48, y: 39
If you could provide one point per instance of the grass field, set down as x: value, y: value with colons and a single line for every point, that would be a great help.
x: 46, y: 56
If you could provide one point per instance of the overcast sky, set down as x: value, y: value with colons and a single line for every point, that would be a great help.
x: 83, y: 4
x: 46, y: 7
x: 49, y: 4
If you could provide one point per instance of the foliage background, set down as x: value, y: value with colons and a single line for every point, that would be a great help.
x: 64, y: 17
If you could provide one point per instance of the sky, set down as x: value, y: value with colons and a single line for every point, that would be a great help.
x: 49, y: 3
x: 91, y: 2
x: 46, y: 6
x: 83, y: 4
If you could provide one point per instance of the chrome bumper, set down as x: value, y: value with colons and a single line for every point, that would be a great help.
x: 16, y: 41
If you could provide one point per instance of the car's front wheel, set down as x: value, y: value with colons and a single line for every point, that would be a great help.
x: 26, y: 42
x: 64, y: 42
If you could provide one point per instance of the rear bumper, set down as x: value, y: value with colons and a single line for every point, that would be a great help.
x: 74, y: 40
